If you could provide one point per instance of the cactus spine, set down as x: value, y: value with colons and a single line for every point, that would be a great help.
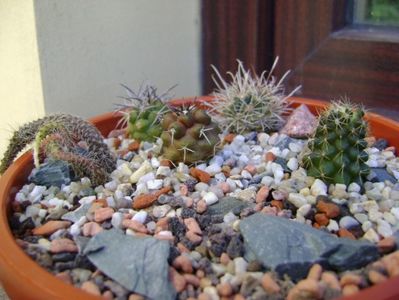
x: 250, y: 103
x: 143, y: 112
x: 336, y: 153
x: 189, y: 135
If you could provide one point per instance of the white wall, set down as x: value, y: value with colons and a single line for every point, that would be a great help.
x: 21, y: 98
x: 88, y: 47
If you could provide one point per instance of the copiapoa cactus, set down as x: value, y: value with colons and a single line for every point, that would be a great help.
x: 250, y: 103
x: 189, y: 135
x: 143, y: 112
x: 64, y: 137
x: 336, y: 153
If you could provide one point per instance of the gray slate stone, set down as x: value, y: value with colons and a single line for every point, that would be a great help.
x: 76, y: 214
x: 138, y: 264
x: 225, y: 205
x: 53, y: 173
x: 291, y: 248
x: 380, y: 175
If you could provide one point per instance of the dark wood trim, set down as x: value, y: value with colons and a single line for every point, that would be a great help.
x: 331, y: 58
x: 235, y: 29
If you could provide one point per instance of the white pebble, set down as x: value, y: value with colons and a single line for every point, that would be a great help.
x: 161, y: 210
x: 361, y: 217
x: 240, y: 265
x: 304, y: 210
x: 117, y: 219
x: 371, y: 235
x: 297, y: 199
x: 383, y: 228
x: 292, y: 163
x: 201, y: 187
x: 87, y: 200
x: 354, y: 187
x: 154, y: 184
x: 42, y: 213
x: 32, y: 211
x: 263, y: 138
x: 154, y: 162
x: 140, y: 216
x: 318, y: 188
x: 375, y: 215
x: 332, y: 226
x: 366, y: 226
x: 395, y: 212
x: 267, y: 180
x: 74, y: 229
x: 140, y: 172
x: 229, y: 218
x: 210, y: 198
x: 295, y: 147
x: 111, y: 186
x: 36, y: 193
x: 278, y: 172
x: 163, y: 171
x: 213, y: 169
x: 389, y: 217
x: 348, y: 222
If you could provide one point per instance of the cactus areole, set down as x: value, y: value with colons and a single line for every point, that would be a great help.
x: 336, y: 153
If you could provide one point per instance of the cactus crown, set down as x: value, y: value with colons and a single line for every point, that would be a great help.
x: 250, y: 103
x: 336, y: 153
x: 143, y: 112
x: 189, y: 134
x: 61, y: 137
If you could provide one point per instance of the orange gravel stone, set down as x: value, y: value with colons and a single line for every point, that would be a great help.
x: 345, y: 233
x: 262, y: 194
x: 183, y: 263
x: 315, y: 272
x: 269, y: 284
x: 193, y: 237
x: 91, y: 229
x: 229, y: 138
x: 200, y: 175
x: 182, y: 248
x: 350, y: 289
x: 306, y: 289
x: 251, y: 169
x: 391, y: 263
x: 321, y: 219
x: 50, y: 227
x: 224, y: 259
x: 269, y: 156
x: 192, y: 279
x: 90, y: 287
x: 134, y: 225
x: 144, y: 201
x: 351, y: 278
x: 103, y: 213
x: 165, y: 163
x: 331, y: 280
x: 64, y: 276
x: 386, y: 245
x: 178, y: 281
x: 331, y: 210
x: 136, y: 297
x: 192, y: 226
x: 63, y: 245
x: 133, y: 146
x: 277, y: 203
x: 163, y: 223
x: 376, y: 277
x: 201, y: 206
x: 224, y: 289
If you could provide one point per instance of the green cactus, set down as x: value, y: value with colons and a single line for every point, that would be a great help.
x: 336, y: 153
x: 189, y: 135
x: 143, y: 113
x: 64, y: 137
x: 250, y: 103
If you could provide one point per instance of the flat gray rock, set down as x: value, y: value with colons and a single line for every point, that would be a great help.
x: 53, y: 173
x: 76, y: 214
x: 291, y: 248
x: 225, y: 205
x: 138, y: 264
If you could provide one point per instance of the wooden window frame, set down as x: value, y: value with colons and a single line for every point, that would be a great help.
x: 331, y: 58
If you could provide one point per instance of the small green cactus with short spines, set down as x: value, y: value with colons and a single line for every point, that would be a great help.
x: 336, y: 153
x: 143, y: 113
x: 189, y: 135
x: 250, y: 103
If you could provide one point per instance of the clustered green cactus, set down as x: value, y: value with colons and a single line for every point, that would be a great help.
x: 143, y: 113
x: 64, y: 137
x: 336, y: 153
x: 250, y: 103
x: 189, y: 135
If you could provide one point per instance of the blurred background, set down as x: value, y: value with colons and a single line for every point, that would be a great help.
x: 72, y: 56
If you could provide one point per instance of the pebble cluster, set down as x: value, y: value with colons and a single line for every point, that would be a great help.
x: 147, y: 196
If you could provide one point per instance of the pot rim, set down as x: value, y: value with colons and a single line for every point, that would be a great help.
x: 21, y: 275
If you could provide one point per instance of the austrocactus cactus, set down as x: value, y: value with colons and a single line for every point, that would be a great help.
x: 189, y: 135
x: 336, y: 153
x: 64, y: 137
x: 250, y: 103
x: 143, y: 112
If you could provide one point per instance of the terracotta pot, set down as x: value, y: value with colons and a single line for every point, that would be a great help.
x: 23, y: 278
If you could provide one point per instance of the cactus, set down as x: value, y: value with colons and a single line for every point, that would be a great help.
x: 143, y: 112
x: 250, y: 103
x: 336, y: 153
x: 189, y: 135
x: 64, y: 137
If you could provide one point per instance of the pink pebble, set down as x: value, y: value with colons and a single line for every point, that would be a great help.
x: 103, y: 213
x: 91, y: 229
x: 63, y: 245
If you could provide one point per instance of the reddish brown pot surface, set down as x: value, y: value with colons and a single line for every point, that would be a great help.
x: 23, y: 278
